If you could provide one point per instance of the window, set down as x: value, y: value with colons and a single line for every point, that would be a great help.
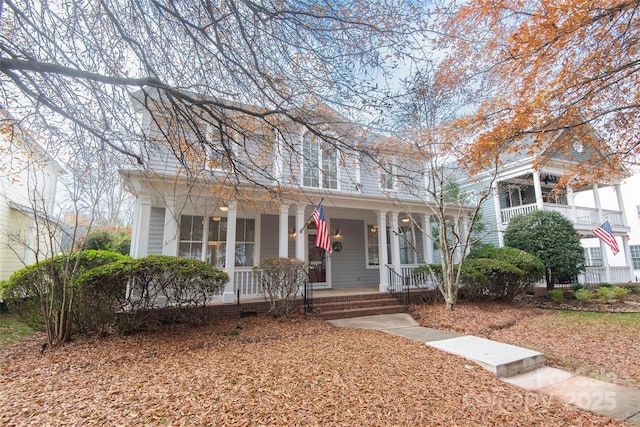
x: 217, y: 242
x: 635, y: 256
x: 217, y: 145
x: 319, y: 164
x: 638, y: 210
x: 373, y: 249
x: 407, y: 242
x: 593, y: 257
x: 191, y: 229
x: 387, y: 178
x: 245, y: 242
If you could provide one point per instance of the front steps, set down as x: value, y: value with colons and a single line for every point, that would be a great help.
x: 338, y: 307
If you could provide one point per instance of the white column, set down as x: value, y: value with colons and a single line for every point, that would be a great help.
x: 143, y: 215
x: 300, y: 225
x: 625, y: 241
x: 382, y: 251
x: 571, y: 198
x: 230, y: 259
x: 283, y: 232
x: 596, y: 200
x: 538, y: 190
x: 496, y: 205
x: 170, y: 234
x: 427, y: 241
x: 395, y: 243
x: 205, y: 236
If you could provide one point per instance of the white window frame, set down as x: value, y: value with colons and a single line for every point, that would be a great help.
x: 383, y: 176
x: 319, y: 167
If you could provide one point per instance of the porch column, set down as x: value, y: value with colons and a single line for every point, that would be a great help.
x: 382, y: 251
x: 143, y: 218
x: 427, y: 241
x: 538, y: 190
x: 283, y: 232
x: 625, y: 240
x: 300, y: 234
x: 170, y: 233
x: 571, y: 198
x: 395, y: 243
x: 496, y: 205
x: 230, y: 255
x: 596, y: 200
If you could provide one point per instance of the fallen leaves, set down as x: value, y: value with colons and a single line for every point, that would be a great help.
x: 295, y: 372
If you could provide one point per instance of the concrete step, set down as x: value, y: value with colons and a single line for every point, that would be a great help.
x: 504, y: 360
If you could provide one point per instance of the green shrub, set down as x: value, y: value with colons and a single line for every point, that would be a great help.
x: 584, y: 294
x: 605, y: 285
x: 555, y: 295
x: 108, y: 239
x: 503, y: 280
x: 470, y: 277
x: 576, y: 287
x: 605, y: 293
x: 181, y: 285
x: 280, y: 282
x: 530, y: 265
x: 28, y: 288
x: 620, y: 292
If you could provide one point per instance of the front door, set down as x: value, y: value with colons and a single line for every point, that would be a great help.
x: 317, y: 262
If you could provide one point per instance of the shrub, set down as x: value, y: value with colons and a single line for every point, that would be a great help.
x: 181, y: 285
x: 620, y: 292
x: 109, y: 239
x: 530, y: 265
x: 503, y: 280
x: 280, y: 283
x: 555, y: 295
x: 584, y: 294
x: 470, y: 278
x: 605, y: 293
x: 39, y: 287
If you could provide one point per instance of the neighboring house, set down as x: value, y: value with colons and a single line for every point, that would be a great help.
x: 28, y: 180
x: 525, y: 184
x: 200, y: 218
x: 599, y: 255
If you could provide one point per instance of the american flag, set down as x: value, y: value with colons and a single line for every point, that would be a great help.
x: 604, y: 233
x: 322, y: 235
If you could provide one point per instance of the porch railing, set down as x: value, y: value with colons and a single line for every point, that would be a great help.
x: 597, y: 275
x: 583, y: 215
x: 398, y: 285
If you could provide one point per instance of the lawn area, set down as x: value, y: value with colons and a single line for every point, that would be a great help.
x: 599, y: 345
x: 281, y: 373
x: 11, y: 330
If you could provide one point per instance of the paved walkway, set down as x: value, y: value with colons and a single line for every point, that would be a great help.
x: 514, y: 365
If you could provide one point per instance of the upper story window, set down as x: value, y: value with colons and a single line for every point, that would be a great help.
x: 219, y: 147
x: 319, y: 163
x: 388, y: 179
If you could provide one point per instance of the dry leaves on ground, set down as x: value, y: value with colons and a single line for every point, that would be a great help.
x: 294, y: 372
x: 601, y: 348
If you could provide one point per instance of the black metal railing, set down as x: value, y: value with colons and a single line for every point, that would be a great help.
x: 307, y: 297
x: 399, y: 285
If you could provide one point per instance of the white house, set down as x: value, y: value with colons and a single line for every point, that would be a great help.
x: 222, y: 202
x: 625, y: 195
x: 28, y: 180
x: 523, y: 184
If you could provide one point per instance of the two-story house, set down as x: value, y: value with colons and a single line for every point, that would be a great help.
x: 524, y: 184
x: 28, y: 181
x: 213, y: 186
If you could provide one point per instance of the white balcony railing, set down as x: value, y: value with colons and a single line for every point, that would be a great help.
x: 577, y: 215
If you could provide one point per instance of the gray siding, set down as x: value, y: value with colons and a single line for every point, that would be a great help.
x: 156, y: 231
x: 348, y: 267
x: 268, y: 236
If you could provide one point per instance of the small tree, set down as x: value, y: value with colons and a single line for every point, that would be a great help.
x: 552, y: 238
x: 280, y: 280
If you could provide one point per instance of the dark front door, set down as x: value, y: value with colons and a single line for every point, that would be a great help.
x: 317, y: 261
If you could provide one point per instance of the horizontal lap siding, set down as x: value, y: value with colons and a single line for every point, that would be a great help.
x: 348, y: 267
x: 156, y: 231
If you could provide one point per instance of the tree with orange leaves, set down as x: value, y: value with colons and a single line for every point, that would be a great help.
x: 544, y: 66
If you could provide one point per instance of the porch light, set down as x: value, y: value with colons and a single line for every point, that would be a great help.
x: 215, y: 218
x: 406, y: 219
x: 338, y: 235
x: 292, y: 232
x: 224, y: 208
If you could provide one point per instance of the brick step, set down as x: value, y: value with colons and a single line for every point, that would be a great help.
x: 362, y: 311
x: 337, y: 307
x: 354, y: 304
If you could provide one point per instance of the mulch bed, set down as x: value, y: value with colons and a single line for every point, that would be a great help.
x: 268, y: 372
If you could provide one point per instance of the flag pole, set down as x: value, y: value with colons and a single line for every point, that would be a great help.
x: 307, y: 221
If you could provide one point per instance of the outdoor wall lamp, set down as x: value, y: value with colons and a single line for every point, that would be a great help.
x: 224, y: 208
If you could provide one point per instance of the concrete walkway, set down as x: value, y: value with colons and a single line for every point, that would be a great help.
x: 515, y: 365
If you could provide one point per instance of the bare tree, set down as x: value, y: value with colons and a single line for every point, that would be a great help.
x: 433, y: 102
x: 205, y: 64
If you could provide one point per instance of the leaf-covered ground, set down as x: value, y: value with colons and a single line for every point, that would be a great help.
x: 599, y: 345
x: 276, y: 373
